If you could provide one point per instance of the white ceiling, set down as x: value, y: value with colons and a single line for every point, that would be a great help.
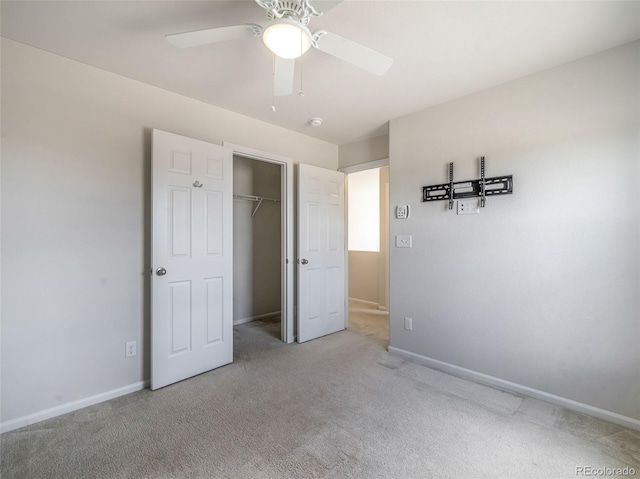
x: 442, y: 50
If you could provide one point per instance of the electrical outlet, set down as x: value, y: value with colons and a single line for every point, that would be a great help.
x: 131, y: 349
x: 468, y: 207
x: 408, y: 324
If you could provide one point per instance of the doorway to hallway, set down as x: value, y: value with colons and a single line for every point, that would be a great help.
x: 368, y: 251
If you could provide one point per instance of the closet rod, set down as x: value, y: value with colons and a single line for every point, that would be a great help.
x: 259, y: 199
x: 254, y: 198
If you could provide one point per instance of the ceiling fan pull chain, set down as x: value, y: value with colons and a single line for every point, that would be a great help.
x: 273, y: 84
x: 301, y: 91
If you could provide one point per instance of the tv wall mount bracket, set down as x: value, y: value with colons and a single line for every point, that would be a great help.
x: 482, y: 187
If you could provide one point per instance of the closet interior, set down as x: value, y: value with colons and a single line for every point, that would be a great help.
x: 257, y: 243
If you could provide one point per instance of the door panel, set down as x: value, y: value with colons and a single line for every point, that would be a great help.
x: 214, y: 223
x: 214, y: 310
x: 321, y: 252
x: 180, y: 316
x: 180, y: 221
x: 191, y: 306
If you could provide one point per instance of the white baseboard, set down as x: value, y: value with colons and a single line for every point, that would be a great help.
x: 364, y: 301
x: 518, y: 388
x: 70, y: 407
x: 236, y: 322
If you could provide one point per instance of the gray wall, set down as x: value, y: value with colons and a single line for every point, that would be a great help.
x: 542, y: 288
x: 364, y: 272
x: 257, y: 243
x: 76, y: 156
x: 364, y: 151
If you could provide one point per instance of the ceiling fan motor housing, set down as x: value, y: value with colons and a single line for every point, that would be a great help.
x: 289, y: 9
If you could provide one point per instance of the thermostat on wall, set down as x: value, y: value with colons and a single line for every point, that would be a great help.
x: 402, y: 212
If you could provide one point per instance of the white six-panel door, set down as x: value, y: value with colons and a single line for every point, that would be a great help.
x: 192, y: 258
x: 321, y: 252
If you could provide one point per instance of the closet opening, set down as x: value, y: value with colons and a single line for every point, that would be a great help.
x: 258, y: 248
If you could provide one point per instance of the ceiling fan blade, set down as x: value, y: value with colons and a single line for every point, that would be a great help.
x: 323, y: 6
x: 214, y: 35
x: 283, y: 75
x: 352, y: 52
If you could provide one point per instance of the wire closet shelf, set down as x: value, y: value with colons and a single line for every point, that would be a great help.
x: 258, y: 199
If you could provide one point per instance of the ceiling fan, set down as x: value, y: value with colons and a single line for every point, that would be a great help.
x: 287, y: 35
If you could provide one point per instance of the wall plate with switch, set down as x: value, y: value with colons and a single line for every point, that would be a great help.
x: 402, y: 212
x: 408, y: 324
x: 403, y: 241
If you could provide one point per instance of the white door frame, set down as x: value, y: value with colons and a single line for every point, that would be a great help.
x: 368, y: 165
x: 287, y: 230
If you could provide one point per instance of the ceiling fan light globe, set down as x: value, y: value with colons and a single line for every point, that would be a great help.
x: 287, y: 38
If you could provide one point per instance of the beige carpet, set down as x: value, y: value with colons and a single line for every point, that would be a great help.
x: 336, y: 407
